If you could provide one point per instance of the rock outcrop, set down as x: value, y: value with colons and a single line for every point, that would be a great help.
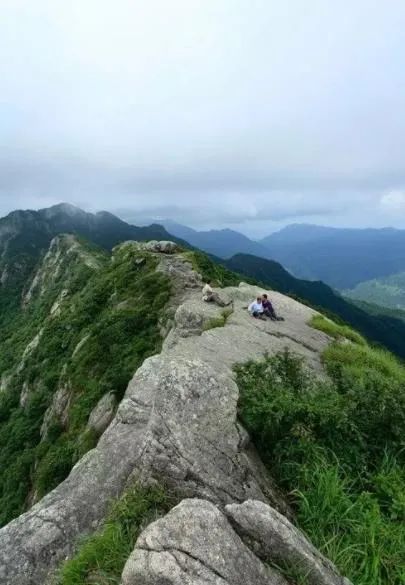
x: 103, y: 413
x: 58, y: 410
x: 62, y: 250
x: 178, y: 424
x: 275, y: 539
x: 195, y: 544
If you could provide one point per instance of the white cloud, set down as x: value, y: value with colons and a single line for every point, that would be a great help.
x: 235, y: 111
x: 393, y: 201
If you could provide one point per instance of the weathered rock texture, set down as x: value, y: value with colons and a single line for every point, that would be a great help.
x: 275, y: 539
x: 195, y: 545
x: 177, y: 423
x: 61, y: 249
x: 103, y: 413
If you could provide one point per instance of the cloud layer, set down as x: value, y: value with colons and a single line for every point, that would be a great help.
x: 213, y: 112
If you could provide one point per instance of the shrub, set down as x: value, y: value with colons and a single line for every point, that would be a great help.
x: 54, y: 467
x: 336, y: 447
x: 218, y: 321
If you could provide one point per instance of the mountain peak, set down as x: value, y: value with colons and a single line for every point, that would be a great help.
x: 62, y: 208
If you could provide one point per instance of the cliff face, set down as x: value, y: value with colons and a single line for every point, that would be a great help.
x: 82, y: 327
x: 177, y: 424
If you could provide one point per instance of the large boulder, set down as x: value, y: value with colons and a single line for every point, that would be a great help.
x: 276, y: 540
x: 195, y: 545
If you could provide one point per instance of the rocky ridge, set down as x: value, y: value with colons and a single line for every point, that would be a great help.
x: 178, y: 424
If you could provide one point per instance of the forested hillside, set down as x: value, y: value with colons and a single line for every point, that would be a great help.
x: 83, y: 327
x: 388, y: 292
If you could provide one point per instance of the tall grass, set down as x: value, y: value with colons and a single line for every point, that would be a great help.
x: 348, y: 526
x: 336, y: 448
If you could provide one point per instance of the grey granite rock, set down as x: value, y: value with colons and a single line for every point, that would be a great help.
x: 276, y: 540
x: 195, y: 545
x: 102, y: 414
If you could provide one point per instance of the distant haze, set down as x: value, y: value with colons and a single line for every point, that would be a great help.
x: 214, y: 113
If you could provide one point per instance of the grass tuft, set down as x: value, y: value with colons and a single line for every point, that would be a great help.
x: 101, y: 557
x: 336, y: 330
x: 218, y: 321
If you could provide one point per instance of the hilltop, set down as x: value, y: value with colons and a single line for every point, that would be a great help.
x: 147, y: 435
x: 154, y: 406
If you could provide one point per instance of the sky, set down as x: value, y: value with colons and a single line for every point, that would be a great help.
x: 249, y: 114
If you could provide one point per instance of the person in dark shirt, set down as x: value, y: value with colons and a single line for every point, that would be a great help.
x: 268, y: 309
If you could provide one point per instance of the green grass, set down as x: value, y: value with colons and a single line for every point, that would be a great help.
x: 349, y: 526
x: 111, y: 307
x: 335, y: 330
x: 218, y: 321
x: 359, y: 360
x: 101, y: 557
x: 336, y: 448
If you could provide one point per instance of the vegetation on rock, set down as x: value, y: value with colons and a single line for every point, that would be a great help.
x: 92, y: 344
x: 101, y: 557
x: 218, y: 321
x: 337, y: 449
x: 212, y: 271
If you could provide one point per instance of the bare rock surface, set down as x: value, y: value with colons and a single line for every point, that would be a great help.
x: 102, y: 414
x: 275, y: 539
x: 177, y: 423
x: 195, y: 545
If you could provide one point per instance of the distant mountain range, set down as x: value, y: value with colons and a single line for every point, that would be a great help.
x: 222, y: 243
x: 339, y: 257
x: 25, y: 236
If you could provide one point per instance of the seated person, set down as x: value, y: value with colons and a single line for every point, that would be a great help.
x: 268, y: 309
x: 256, y: 309
x: 209, y: 296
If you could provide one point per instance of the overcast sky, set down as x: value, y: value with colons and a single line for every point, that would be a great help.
x: 242, y: 113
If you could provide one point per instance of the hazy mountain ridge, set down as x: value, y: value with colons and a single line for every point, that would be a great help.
x: 26, y: 235
x: 223, y: 243
x: 340, y: 257
x: 387, y: 292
